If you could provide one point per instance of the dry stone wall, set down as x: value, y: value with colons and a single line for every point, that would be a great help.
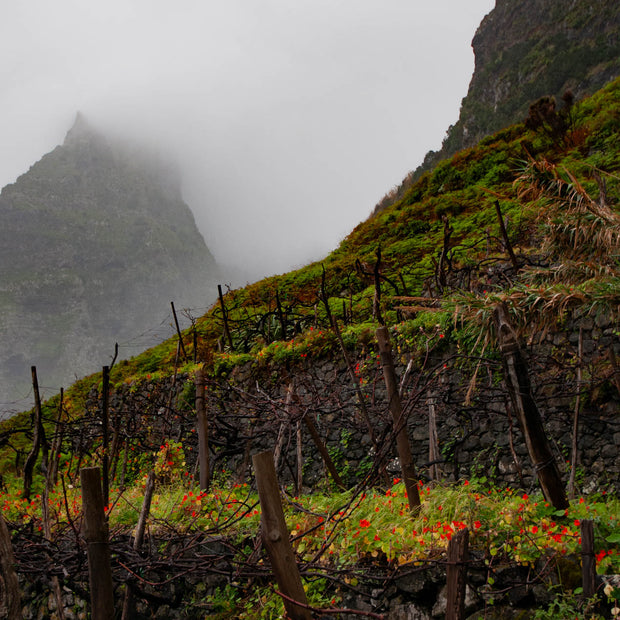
x: 251, y: 409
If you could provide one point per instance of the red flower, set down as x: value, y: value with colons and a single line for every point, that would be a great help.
x: 364, y: 523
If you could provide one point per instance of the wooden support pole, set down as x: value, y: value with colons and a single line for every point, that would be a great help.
x: 105, y: 407
x: 50, y: 481
x: 440, y: 270
x: 97, y: 545
x: 281, y: 317
x: 144, y: 511
x: 356, y: 384
x: 10, y: 596
x: 407, y: 465
x: 456, y: 571
x: 588, y: 560
x: 320, y: 446
x: 434, y: 453
x: 39, y: 442
x: 128, y: 603
x: 56, y: 448
x: 227, y: 333
x: 275, y: 537
x: 202, y: 425
x: 300, y: 459
x: 179, y: 334
x: 574, y: 451
x: 520, y: 391
x: 376, y: 301
x: 502, y: 228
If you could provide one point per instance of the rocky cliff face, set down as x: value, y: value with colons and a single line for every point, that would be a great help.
x: 531, y: 48
x: 525, y: 50
x: 95, y: 241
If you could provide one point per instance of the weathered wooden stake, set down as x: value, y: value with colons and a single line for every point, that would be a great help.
x: 38, y: 441
x: 456, y: 570
x: 356, y: 384
x: 97, y: 545
x: 281, y: 316
x: 518, y: 384
x: 105, y: 406
x: 300, y: 460
x: 56, y: 448
x: 202, y: 425
x: 588, y: 561
x: 434, y: 454
x: 128, y: 603
x: 10, y: 597
x: 179, y: 334
x: 227, y: 333
x: 279, y: 445
x: 574, y: 453
x: 149, y: 489
x: 275, y: 537
x: 376, y: 300
x: 502, y: 227
x: 320, y: 446
x: 407, y: 465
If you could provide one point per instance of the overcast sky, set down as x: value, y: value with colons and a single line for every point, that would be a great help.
x: 289, y: 119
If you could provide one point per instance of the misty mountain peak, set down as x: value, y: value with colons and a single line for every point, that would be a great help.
x: 95, y: 241
x: 80, y: 131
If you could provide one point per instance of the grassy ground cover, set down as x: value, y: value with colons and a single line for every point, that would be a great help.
x: 342, y: 532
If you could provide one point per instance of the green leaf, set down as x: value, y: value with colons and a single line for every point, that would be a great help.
x: 613, y: 538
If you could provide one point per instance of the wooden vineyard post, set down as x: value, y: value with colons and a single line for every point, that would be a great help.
x: 10, y: 597
x: 588, y: 560
x: 400, y: 428
x: 97, y: 545
x: 227, y: 334
x: 128, y: 603
x: 39, y: 441
x: 502, y: 227
x: 275, y: 537
x: 300, y: 460
x: 519, y: 388
x: 52, y: 474
x: 434, y: 455
x: 144, y: 511
x: 458, y: 554
x: 202, y: 425
x: 178, y: 328
x: 574, y: 451
x: 105, y: 408
x: 320, y: 446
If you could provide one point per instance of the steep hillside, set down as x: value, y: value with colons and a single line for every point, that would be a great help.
x: 525, y: 226
x: 95, y: 241
x: 441, y: 242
